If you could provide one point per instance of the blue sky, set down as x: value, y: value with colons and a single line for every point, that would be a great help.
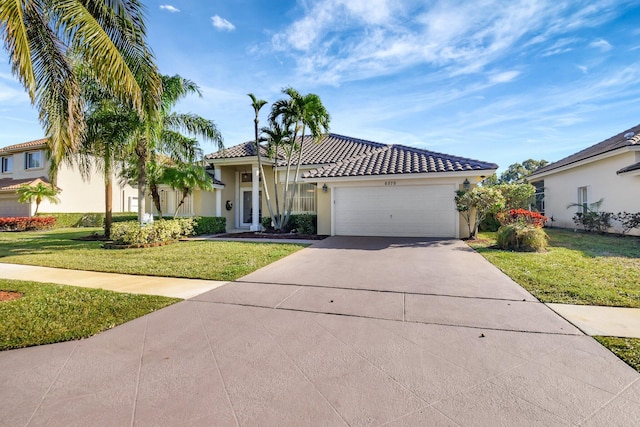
x: 500, y: 81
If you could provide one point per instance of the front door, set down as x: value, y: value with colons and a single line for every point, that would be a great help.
x: 246, y: 207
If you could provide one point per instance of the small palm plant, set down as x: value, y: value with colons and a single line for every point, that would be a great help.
x: 28, y: 193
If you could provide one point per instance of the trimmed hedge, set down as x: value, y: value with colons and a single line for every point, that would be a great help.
x: 90, y: 219
x: 300, y: 223
x: 209, y: 225
x: 24, y: 223
x: 134, y: 234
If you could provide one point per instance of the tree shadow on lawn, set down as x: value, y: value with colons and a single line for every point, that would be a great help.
x: 31, y: 243
x: 595, y: 245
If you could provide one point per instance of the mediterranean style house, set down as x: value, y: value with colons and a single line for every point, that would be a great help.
x: 607, y: 171
x: 28, y: 163
x: 355, y: 187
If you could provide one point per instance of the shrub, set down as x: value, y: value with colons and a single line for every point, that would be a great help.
x: 210, y: 225
x: 133, y: 233
x: 27, y: 223
x: 88, y: 219
x: 593, y: 221
x: 522, y: 237
x: 490, y: 223
x: 521, y: 216
x: 628, y: 220
x: 300, y: 223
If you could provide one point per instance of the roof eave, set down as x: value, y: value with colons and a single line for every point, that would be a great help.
x: 582, y: 162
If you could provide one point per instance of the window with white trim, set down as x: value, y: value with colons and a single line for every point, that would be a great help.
x: 6, y: 164
x: 583, y: 200
x: 305, y: 200
x: 33, y: 160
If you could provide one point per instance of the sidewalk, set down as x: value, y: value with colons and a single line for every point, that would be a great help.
x: 149, y: 285
x: 592, y: 320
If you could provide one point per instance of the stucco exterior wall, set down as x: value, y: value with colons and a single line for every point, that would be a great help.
x: 619, y: 192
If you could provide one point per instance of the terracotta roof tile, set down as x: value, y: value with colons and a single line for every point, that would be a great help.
x: 614, y: 143
x: 346, y: 156
x: 10, y: 184
x: 398, y: 159
x: 38, y: 143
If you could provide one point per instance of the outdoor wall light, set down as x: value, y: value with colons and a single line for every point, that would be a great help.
x: 228, y: 206
x: 466, y: 184
x: 325, y: 188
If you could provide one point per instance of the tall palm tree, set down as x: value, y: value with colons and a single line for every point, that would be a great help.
x: 303, y: 111
x: 257, y: 104
x: 28, y: 193
x: 278, y: 138
x: 109, y: 36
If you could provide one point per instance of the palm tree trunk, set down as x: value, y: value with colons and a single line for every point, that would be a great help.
x: 108, y: 207
x: 295, y: 178
x: 261, y: 171
x: 155, y: 196
x: 141, y: 152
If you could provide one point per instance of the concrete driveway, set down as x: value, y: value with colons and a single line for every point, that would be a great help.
x: 351, y: 331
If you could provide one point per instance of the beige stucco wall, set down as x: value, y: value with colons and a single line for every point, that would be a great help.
x: 619, y: 192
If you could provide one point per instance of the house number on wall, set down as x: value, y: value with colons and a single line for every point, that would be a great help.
x: 389, y: 183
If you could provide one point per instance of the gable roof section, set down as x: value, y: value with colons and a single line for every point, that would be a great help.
x: 346, y: 156
x: 11, y: 185
x: 24, y: 146
x: 398, y: 159
x: 630, y: 168
x: 614, y: 143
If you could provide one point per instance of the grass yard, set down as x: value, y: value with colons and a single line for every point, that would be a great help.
x: 579, y: 268
x: 50, y: 313
x: 210, y: 260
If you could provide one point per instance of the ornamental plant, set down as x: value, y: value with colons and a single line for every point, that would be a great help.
x: 26, y: 223
x: 522, y: 216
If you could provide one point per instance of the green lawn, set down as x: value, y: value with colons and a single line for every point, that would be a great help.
x: 50, y: 313
x: 211, y: 260
x: 578, y: 268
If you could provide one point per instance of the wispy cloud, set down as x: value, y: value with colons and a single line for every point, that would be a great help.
x: 583, y: 68
x: 601, y: 44
x: 337, y: 41
x: 222, y: 24
x: 169, y: 8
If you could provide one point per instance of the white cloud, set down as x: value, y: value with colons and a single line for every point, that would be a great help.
x: 583, y: 68
x: 169, y: 8
x: 222, y: 24
x: 504, y: 77
x: 601, y: 44
x: 336, y: 41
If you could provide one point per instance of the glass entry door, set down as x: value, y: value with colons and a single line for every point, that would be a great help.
x: 246, y: 207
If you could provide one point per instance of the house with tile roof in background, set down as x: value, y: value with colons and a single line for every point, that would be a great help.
x: 356, y: 187
x: 28, y: 163
x: 607, y: 171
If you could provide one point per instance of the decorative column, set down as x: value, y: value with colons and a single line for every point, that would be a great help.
x: 255, y: 198
x: 217, y: 174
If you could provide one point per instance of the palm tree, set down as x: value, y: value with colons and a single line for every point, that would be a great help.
x: 302, y: 112
x: 28, y: 193
x: 257, y: 104
x: 162, y: 136
x: 278, y: 138
x: 186, y: 178
x: 109, y: 36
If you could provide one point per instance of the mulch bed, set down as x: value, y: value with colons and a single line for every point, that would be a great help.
x: 263, y: 235
x: 9, y: 295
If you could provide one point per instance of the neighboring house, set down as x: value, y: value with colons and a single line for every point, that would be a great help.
x: 28, y: 163
x: 355, y: 187
x: 608, y: 170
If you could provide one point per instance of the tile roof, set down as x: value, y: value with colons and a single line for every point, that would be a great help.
x: 347, y: 156
x: 246, y: 149
x: 398, y: 159
x: 38, y: 143
x: 614, y: 143
x: 630, y: 168
x: 10, y: 184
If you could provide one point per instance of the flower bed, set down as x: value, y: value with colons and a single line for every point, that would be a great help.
x: 26, y: 223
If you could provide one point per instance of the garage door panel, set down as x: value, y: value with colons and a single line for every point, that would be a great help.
x: 412, y: 211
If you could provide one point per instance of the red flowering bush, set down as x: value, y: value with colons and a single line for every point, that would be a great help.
x: 24, y: 223
x: 522, y: 216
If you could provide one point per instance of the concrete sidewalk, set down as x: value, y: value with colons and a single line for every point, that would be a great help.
x: 149, y: 285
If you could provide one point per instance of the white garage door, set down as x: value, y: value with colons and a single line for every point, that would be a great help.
x: 411, y: 211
